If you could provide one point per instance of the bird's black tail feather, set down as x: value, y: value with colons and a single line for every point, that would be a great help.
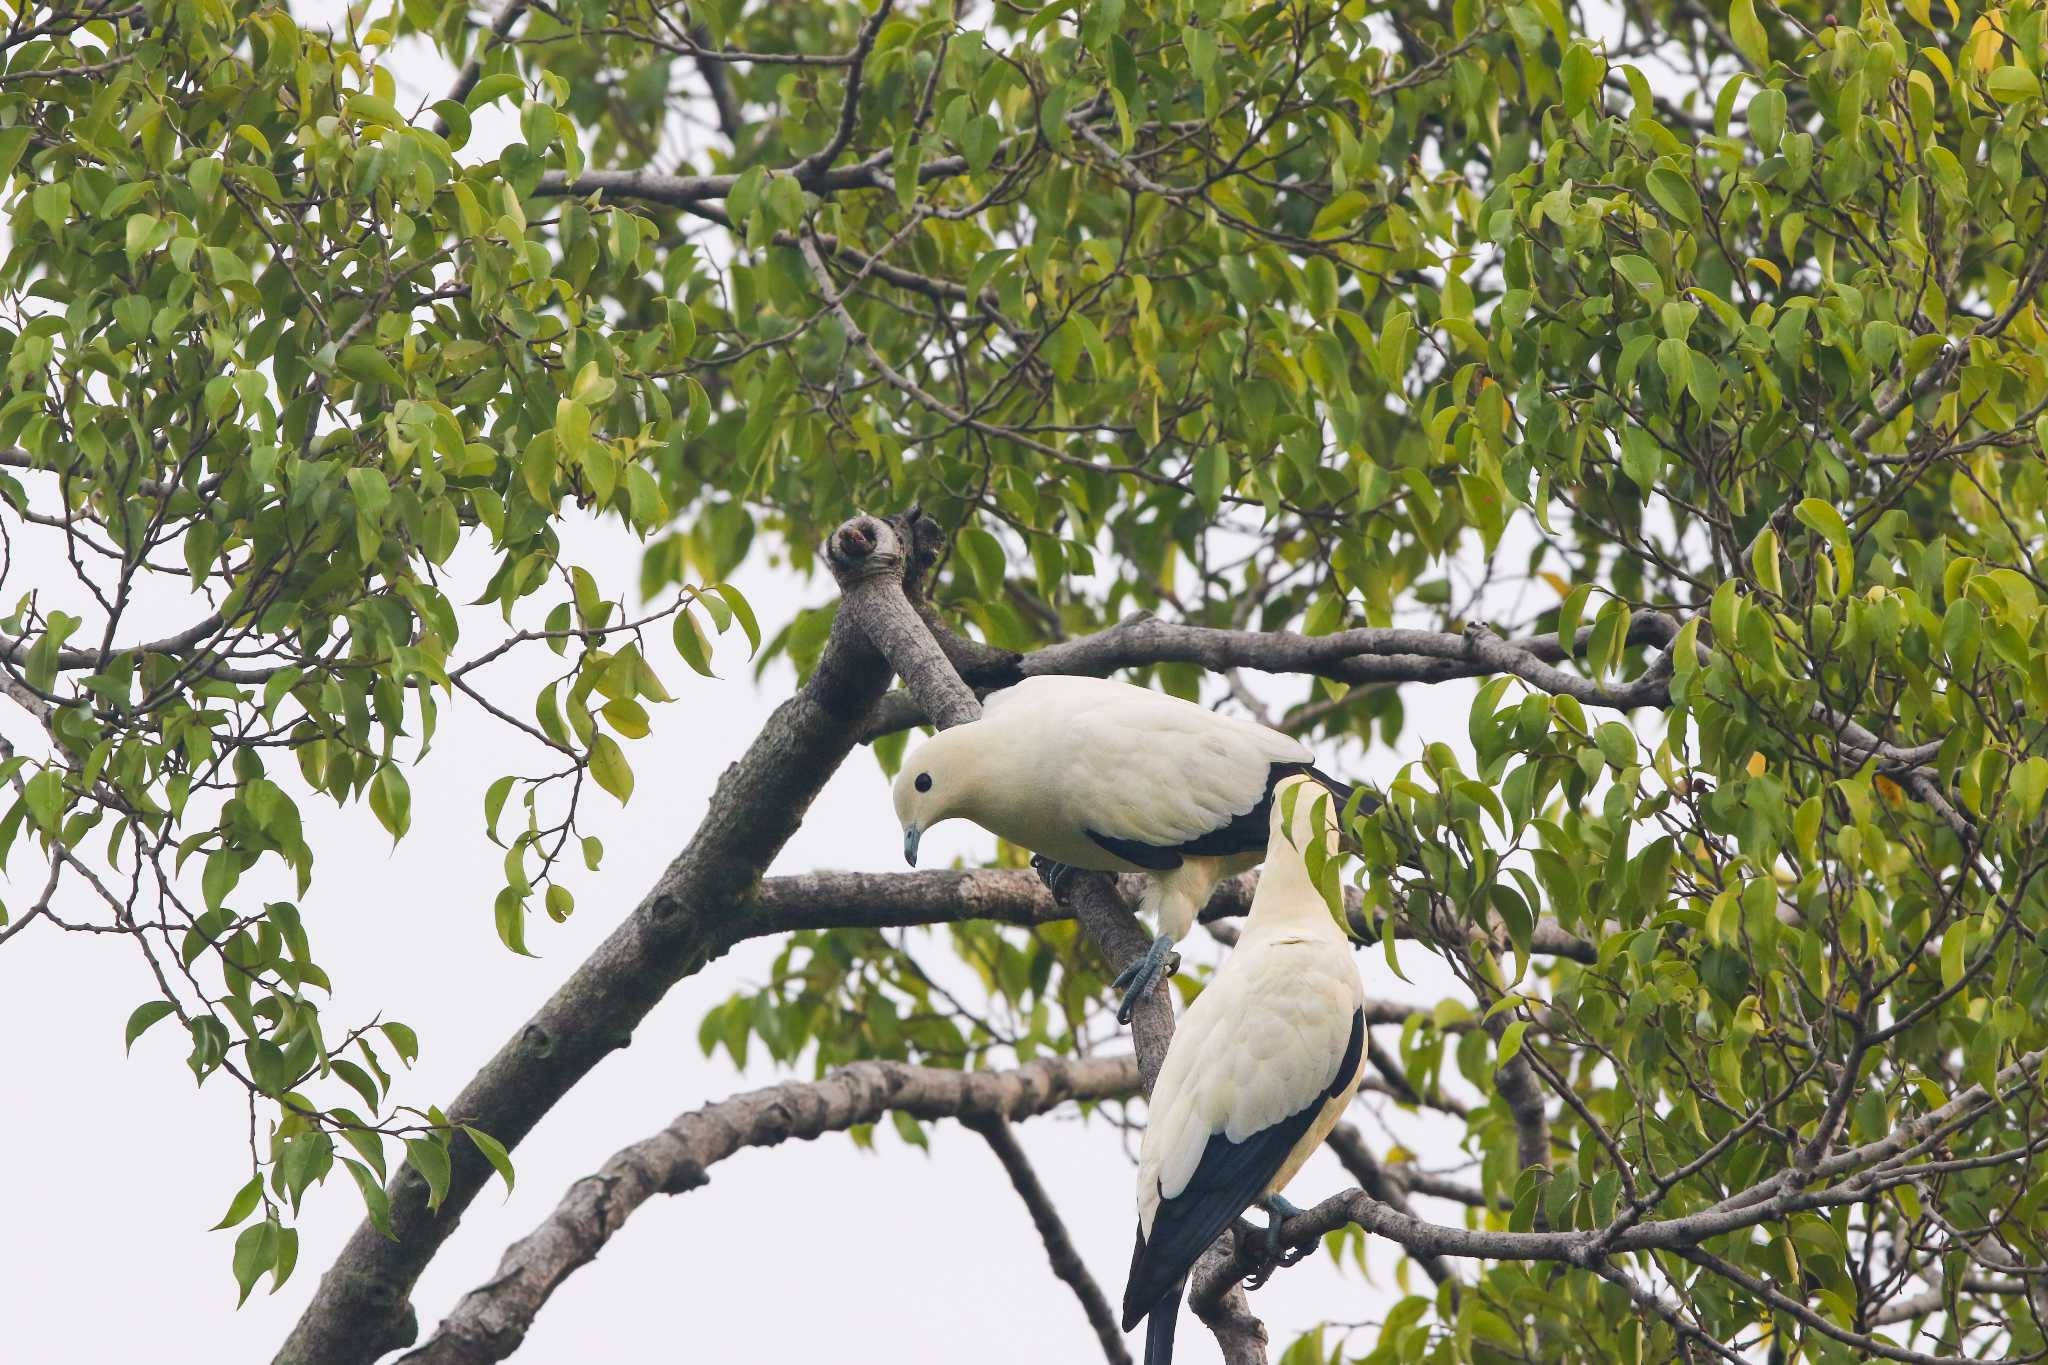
x: 1342, y: 790
x: 1165, y: 1316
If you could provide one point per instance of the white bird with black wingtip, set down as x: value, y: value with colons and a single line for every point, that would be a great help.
x: 1099, y: 774
x: 1258, y: 1073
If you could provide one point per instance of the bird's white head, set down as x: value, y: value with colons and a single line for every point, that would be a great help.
x: 938, y: 781
x: 1288, y: 901
x: 1303, y: 811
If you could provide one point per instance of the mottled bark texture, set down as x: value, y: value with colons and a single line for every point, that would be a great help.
x: 1366, y: 655
x: 362, y: 1308
x: 491, y: 1320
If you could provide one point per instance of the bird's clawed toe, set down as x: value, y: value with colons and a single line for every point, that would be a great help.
x: 1159, y: 960
x: 1278, y: 1210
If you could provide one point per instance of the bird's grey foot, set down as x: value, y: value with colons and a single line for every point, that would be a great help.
x: 1054, y: 875
x: 1159, y: 960
x: 1278, y: 1210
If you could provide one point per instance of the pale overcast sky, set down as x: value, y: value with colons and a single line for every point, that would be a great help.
x: 113, y: 1169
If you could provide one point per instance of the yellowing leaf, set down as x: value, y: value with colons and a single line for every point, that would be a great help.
x: 1984, y: 43
x: 1756, y: 764
x: 609, y: 767
x: 1764, y: 267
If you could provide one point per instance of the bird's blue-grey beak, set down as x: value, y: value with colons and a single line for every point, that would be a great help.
x: 911, y: 834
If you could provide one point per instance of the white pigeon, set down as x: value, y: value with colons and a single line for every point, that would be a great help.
x: 1099, y: 774
x: 1257, y: 1075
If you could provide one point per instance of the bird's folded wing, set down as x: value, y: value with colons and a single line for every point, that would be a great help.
x: 1158, y: 772
x: 1234, y: 1159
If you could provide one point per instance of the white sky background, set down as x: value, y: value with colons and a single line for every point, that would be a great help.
x: 112, y: 1169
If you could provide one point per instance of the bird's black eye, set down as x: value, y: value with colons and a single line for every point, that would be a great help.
x: 924, y: 782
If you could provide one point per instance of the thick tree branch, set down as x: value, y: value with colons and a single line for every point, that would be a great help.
x: 1219, y: 1300
x: 1365, y: 655
x: 491, y: 1320
x: 1059, y: 1248
x: 362, y: 1308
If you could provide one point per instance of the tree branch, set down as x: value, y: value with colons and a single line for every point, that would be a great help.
x: 1349, y: 1145
x: 1365, y: 655
x: 1859, y: 1171
x: 362, y: 1309
x: 1059, y: 1248
x: 1219, y: 1300
x: 492, y: 1319
x: 808, y: 170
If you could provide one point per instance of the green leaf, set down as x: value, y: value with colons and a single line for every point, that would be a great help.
x: 374, y: 109
x: 13, y: 141
x: 509, y: 914
x: 1584, y: 70
x: 494, y: 804
x: 369, y: 365
x: 1954, y: 950
x: 241, y: 1206
x: 493, y: 87
x: 743, y: 613
x: 1823, y: 518
x: 1568, y: 613
x: 1749, y: 35
x: 2010, y: 83
x: 391, y: 801
x: 1675, y: 195
x: 494, y: 1152
x: 430, y: 1158
x: 983, y: 555
x: 692, y: 643
x: 1212, y: 478
x: 1763, y: 561
x: 1617, y: 743
x: 1511, y: 1041
x: 147, y: 1013
x: 403, y: 1039
x: 375, y: 1201
x: 255, y: 1252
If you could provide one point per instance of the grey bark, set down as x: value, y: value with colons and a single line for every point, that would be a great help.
x: 1366, y: 655
x: 701, y: 902
x: 492, y: 1320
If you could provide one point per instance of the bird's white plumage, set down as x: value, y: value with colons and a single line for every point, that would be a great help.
x: 1138, y: 764
x: 1054, y: 758
x: 1267, y: 1036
